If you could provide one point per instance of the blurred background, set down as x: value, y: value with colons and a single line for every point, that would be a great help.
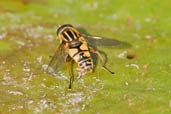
x: 142, y: 79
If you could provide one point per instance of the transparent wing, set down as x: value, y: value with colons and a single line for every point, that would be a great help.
x: 57, y: 60
x: 102, y: 41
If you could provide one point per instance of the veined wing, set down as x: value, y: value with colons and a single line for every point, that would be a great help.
x: 102, y: 41
x: 57, y: 60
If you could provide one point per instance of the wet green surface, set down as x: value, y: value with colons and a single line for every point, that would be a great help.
x: 142, y: 80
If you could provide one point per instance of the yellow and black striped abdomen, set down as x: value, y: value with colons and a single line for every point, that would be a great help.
x: 80, y: 53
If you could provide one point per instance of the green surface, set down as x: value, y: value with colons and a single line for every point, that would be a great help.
x: 140, y: 85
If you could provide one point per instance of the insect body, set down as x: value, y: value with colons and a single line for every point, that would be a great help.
x: 76, y: 47
x: 73, y: 46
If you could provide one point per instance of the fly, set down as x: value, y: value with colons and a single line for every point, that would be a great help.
x: 73, y: 46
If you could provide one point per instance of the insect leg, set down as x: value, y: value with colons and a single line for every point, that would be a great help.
x: 68, y: 66
x: 92, y: 50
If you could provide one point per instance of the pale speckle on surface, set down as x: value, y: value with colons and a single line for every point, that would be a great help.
x: 170, y: 104
x: 136, y: 35
x: 122, y: 54
x: 21, y: 43
x: 150, y: 89
x: 30, y: 76
x: 7, y: 80
x: 3, y: 62
x: 90, y: 7
x: 50, y: 37
x: 26, y: 69
x: 147, y: 19
x: 30, y: 102
x: 138, y: 25
x: 133, y: 65
x: 130, y: 102
x: 148, y: 37
x: 126, y: 83
x: 16, y: 107
x: 44, y: 66
x: 3, y: 35
x: 39, y: 28
x: 15, y: 92
x: 39, y: 59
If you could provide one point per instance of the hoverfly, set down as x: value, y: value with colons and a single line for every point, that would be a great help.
x: 73, y: 46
